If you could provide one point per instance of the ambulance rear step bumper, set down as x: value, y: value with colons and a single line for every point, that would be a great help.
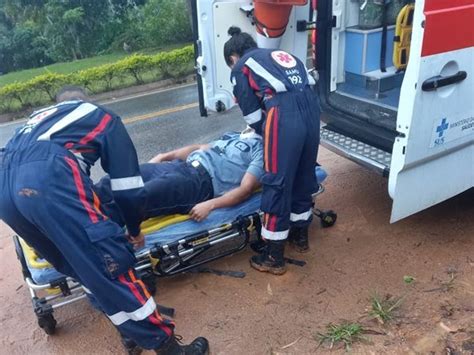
x: 357, y: 151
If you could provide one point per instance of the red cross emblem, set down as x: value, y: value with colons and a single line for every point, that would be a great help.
x: 284, y: 59
x: 41, y: 116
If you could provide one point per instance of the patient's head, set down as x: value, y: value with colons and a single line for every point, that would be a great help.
x: 71, y: 92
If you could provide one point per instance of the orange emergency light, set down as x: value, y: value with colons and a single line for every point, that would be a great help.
x: 271, y: 19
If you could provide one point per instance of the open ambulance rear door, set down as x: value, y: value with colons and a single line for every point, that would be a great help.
x: 433, y: 156
x: 212, y: 19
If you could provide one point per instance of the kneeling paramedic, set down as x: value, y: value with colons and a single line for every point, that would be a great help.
x: 272, y: 88
x: 48, y: 199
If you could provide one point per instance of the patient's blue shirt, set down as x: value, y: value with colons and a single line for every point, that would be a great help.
x: 229, y: 158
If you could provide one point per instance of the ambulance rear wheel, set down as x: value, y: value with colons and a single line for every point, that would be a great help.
x: 47, y: 323
x: 328, y: 218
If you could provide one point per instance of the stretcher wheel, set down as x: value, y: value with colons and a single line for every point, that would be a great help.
x: 47, y: 323
x: 328, y: 218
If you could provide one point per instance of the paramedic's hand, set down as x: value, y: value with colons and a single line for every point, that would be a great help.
x: 201, y: 211
x: 137, y: 241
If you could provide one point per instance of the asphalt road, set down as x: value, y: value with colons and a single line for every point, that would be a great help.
x: 161, y: 120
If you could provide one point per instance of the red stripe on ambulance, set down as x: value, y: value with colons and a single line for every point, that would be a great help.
x: 448, y: 26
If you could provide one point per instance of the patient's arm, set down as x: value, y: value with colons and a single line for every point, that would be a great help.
x: 181, y: 153
x: 233, y: 197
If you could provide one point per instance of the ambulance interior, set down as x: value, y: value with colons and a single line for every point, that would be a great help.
x: 365, y: 76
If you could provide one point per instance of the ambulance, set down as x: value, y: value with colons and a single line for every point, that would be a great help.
x: 397, y: 98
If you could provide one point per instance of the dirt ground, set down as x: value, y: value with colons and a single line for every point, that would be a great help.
x: 263, y: 314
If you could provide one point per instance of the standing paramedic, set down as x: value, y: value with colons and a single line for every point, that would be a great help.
x: 272, y: 88
x: 48, y: 199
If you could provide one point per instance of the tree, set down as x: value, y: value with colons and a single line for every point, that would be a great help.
x: 72, y: 20
x: 74, y: 27
x: 166, y: 21
x: 28, y: 47
x: 37, y: 32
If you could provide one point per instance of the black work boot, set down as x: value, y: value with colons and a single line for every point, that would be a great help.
x: 298, y: 238
x: 271, y: 260
x: 199, y: 346
x: 130, y: 346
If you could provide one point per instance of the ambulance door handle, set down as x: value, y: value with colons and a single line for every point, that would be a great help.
x: 439, y: 81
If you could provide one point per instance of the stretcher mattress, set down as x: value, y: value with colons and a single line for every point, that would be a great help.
x: 168, y: 234
x: 44, y: 275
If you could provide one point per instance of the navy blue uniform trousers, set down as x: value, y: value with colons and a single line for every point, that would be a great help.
x: 171, y: 187
x: 50, y: 203
x: 291, y: 140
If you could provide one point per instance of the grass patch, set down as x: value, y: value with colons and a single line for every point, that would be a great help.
x: 342, y: 334
x: 384, y: 309
x: 408, y: 279
x: 82, y: 64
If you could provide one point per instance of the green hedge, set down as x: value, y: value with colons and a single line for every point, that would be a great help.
x: 133, y: 70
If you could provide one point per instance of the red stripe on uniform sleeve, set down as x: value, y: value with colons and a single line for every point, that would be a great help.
x: 97, y: 130
x: 252, y: 82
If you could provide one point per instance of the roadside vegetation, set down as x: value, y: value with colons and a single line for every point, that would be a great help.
x: 133, y: 70
x: 36, y: 33
x: 78, y: 65
x: 99, y: 45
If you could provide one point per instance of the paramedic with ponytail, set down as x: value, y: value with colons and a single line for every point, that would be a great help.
x: 272, y: 88
x: 48, y: 199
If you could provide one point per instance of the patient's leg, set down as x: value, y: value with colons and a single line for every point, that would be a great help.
x: 174, y: 187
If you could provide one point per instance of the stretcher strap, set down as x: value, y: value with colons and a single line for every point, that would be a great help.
x: 383, y: 48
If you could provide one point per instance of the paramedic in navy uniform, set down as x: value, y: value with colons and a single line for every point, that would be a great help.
x: 272, y: 88
x: 48, y: 199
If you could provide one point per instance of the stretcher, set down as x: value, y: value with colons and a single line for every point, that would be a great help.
x: 173, y: 244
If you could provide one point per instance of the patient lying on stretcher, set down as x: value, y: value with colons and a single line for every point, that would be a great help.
x: 196, y: 179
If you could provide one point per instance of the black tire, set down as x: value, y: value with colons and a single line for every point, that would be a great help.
x: 47, y: 323
x: 328, y: 218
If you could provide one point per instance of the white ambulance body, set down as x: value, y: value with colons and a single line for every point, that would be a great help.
x: 416, y: 127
